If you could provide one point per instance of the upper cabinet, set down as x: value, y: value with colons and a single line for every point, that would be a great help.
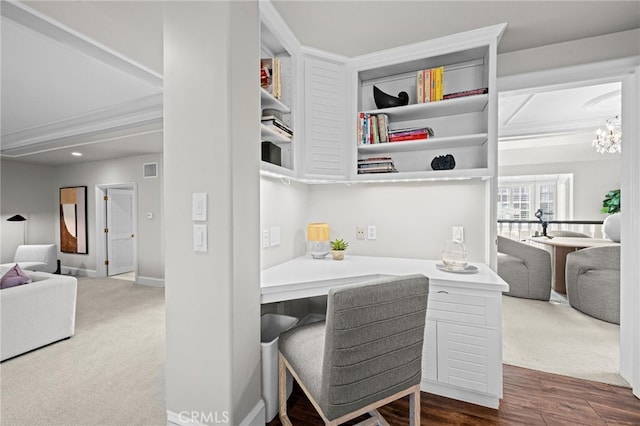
x: 446, y: 129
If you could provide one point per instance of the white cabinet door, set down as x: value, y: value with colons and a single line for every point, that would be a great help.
x: 430, y: 351
x: 465, y: 357
x: 325, y: 149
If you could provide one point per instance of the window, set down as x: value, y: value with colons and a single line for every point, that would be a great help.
x: 520, y: 196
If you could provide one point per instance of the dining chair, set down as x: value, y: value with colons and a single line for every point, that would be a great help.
x: 366, y: 354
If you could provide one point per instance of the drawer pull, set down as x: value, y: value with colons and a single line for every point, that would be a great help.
x: 443, y: 291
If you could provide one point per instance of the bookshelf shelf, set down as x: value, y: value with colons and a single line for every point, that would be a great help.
x: 480, y: 173
x: 435, y: 142
x: 268, y: 101
x: 474, y: 103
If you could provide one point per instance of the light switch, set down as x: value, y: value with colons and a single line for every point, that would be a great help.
x: 266, y: 241
x: 275, y: 235
x: 200, y: 238
x: 199, y: 208
x: 372, y: 232
x: 458, y: 233
x: 149, y: 215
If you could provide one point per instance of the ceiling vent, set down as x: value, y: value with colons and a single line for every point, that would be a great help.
x: 150, y: 170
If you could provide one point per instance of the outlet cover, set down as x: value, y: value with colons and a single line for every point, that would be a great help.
x: 360, y: 232
x: 372, y: 232
x: 266, y: 240
x: 458, y: 233
x: 275, y: 235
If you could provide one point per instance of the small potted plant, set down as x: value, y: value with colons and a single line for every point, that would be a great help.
x: 338, y: 246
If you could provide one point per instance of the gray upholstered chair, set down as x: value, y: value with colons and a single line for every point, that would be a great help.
x: 525, y: 268
x: 593, y: 282
x: 366, y: 354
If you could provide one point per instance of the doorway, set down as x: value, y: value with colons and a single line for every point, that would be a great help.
x: 546, y: 152
x: 116, y: 229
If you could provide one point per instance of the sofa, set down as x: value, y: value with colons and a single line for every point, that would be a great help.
x: 593, y: 282
x: 36, y: 314
x: 525, y: 268
x: 36, y: 257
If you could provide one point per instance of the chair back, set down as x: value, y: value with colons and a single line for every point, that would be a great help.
x: 373, y: 342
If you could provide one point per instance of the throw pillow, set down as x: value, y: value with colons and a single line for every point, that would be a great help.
x: 14, y: 277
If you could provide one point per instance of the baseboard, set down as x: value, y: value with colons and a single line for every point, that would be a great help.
x: 77, y: 272
x: 187, y: 418
x: 256, y: 415
x: 152, y: 282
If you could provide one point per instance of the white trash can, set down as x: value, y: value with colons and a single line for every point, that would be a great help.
x: 271, y: 325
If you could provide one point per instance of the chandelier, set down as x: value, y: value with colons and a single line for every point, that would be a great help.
x: 609, y: 140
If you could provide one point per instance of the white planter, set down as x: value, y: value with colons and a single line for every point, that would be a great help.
x: 611, y: 227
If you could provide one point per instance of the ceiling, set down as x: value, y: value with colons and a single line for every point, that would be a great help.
x: 91, y: 88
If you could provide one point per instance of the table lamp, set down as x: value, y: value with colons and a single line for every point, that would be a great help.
x: 318, y: 240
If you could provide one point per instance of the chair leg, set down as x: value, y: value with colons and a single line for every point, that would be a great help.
x: 282, y: 391
x: 414, y: 407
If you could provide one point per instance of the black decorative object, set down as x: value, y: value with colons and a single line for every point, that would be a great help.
x: 443, y: 162
x: 387, y: 101
x: 539, y: 214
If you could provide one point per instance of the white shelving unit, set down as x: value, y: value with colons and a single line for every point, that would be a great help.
x: 464, y: 127
x: 272, y: 45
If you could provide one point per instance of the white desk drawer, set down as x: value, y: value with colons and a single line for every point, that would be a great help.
x: 459, y: 308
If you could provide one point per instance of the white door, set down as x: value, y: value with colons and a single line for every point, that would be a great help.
x: 120, y: 236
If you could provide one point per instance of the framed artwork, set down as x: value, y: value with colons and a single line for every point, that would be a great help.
x: 73, y: 220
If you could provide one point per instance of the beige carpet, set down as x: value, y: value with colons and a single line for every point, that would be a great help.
x: 110, y: 373
x: 554, y: 337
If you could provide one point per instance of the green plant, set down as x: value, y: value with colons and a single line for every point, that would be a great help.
x: 339, y: 244
x: 611, y: 202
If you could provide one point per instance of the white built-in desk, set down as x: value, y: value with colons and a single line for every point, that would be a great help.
x: 462, y: 355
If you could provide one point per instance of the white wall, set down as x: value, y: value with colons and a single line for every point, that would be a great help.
x: 594, y: 174
x: 211, y: 113
x: 594, y: 49
x: 285, y: 206
x: 123, y: 170
x: 412, y: 219
x: 29, y: 190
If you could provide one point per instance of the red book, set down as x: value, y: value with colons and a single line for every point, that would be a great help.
x: 409, y: 137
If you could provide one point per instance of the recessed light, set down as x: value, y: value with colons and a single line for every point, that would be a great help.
x: 76, y: 154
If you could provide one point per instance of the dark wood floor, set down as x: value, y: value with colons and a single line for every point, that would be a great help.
x: 530, y: 398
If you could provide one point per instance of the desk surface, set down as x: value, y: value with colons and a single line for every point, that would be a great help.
x: 307, y: 277
x: 574, y: 242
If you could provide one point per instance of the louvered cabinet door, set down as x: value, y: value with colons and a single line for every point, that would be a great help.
x: 325, y: 99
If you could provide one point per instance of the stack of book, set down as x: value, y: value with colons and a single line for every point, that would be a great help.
x: 275, y: 124
x: 413, y: 134
x: 270, y: 76
x: 430, y: 85
x: 376, y: 165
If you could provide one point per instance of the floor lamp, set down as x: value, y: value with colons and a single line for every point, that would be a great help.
x: 20, y: 218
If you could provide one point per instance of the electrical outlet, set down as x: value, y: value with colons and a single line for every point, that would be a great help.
x: 371, y: 232
x: 266, y: 240
x: 360, y: 232
x: 458, y: 233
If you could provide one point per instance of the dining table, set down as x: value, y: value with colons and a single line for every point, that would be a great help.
x: 560, y: 248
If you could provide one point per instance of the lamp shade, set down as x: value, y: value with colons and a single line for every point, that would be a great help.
x: 318, y: 232
x: 17, y: 218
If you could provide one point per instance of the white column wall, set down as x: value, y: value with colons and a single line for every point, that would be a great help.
x: 211, y: 145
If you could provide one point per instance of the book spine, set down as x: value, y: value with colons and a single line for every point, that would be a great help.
x: 374, y: 127
x: 420, y: 87
x: 360, y: 128
x: 409, y: 133
x: 466, y: 93
x: 427, y: 86
x: 440, y: 83
x: 409, y: 138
